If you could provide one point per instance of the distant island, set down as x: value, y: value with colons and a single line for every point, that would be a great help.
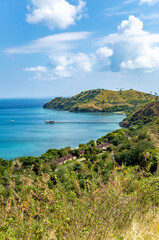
x: 101, y: 100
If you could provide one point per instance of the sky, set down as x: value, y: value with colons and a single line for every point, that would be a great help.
x: 62, y: 47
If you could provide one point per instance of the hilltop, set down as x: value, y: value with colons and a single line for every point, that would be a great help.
x: 144, y: 114
x: 101, y: 100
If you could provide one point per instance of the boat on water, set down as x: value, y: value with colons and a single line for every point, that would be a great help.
x: 51, y: 122
x: 12, y: 121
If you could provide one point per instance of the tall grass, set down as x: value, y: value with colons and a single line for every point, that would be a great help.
x: 126, y: 207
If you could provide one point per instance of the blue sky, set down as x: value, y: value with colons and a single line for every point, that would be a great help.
x: 62, y: 47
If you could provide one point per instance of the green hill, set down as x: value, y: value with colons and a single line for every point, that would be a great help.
x: 101, y: 100
x: 143, y: 115
x: 106, y: 189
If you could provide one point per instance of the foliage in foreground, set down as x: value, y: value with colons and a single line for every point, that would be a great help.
x: 71, y: 211
x: 111, y: 195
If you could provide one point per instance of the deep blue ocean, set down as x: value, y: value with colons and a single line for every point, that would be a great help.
x: 23, y: 131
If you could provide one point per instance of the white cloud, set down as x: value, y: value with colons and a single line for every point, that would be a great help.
x: 132, y: 47
x: 59, y: 49
x: 150, y: 2
x: 36, y: 69
x: 120, y: 10
x: 148, y: 59
x: 84, y: 62
x: 103, y: 57
x: 131, y: 26
x: 104, y: 52
x: 55, y: 13
x: 56, y: 42
x: 151, y: 18
x: 64, y: 66
x: 129, y: 1
x: 41, y: 73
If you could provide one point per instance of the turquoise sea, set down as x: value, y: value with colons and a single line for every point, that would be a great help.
x: 23, y: 131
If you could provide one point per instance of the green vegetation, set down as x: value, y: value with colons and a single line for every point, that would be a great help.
x: 101, y: 100
x: 112, y: 194
x: 144, y: 114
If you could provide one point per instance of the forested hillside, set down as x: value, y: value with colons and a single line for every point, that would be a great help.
x: 101, y: 100
x: 144, y: 114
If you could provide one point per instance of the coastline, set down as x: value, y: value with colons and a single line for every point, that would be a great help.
x: 82, y: 133
x: 120, y: 113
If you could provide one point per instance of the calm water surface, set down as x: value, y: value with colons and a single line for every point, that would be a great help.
x: 29, y: 135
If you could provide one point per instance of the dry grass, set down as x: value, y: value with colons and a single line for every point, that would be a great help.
x: 154, y: 137
x: 145, y: 227
x: 119, y: 210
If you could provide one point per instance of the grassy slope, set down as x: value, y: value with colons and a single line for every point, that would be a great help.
x: 102, y: 100
x: 150, y: 110
x: 143, y: 115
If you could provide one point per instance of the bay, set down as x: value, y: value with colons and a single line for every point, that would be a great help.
x: 23, y: 131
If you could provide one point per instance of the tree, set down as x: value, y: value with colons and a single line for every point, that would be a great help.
x: 92, y: 143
